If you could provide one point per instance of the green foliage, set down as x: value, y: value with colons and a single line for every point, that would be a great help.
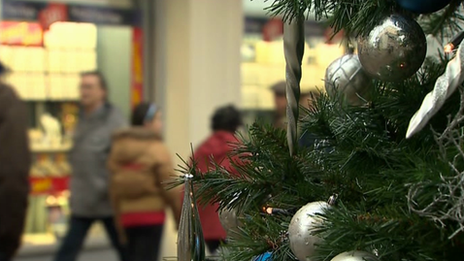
x: 360, y: 153
x: 373, y: 168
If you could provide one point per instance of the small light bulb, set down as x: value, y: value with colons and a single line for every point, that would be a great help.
x: 269, y: 210
x: 449, y: 48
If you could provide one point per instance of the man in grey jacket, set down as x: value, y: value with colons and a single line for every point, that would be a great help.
x: 89, y: 182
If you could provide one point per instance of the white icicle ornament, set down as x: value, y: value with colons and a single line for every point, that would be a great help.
x: 445, y: 85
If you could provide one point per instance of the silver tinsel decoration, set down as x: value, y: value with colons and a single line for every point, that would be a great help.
x: 190, y: 241
x: 300, y: 231
x: 294, y: 42
x: 345, y: 77
x: 445, y: 85
x: 393, y: 50
x: 355, y: 256
x: 448, y: 202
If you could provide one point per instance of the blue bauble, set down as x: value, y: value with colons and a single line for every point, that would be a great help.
x: 423, y: 6
x: 264, y: 257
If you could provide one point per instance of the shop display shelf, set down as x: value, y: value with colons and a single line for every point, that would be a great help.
x: 50, y: 149
x: 49, y: 185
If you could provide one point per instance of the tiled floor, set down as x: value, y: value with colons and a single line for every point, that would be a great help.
x: 89, y: 255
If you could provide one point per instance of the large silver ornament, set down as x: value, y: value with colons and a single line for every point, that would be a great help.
x: 229, y: 220
x: 355, y: 256
x: 346, y: 77
x: 300, y: 231
x: 393, y: 50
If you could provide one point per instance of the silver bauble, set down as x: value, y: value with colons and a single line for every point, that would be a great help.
x: 346, y: 77
x: 393, y: 50
x: 355, y: 256
x: 300, y: 230
x: 229, y: 220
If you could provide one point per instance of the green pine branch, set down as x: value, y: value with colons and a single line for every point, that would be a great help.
x: 445, y: 23
x: 359, y: 17
x: 360, y: 153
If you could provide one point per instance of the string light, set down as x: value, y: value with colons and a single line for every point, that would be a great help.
x: 277, y: 211
x: 454, y: 42
x: 449, y: 48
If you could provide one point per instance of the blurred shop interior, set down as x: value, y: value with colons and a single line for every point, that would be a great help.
x: 46, y: 57
x: 45, y: 61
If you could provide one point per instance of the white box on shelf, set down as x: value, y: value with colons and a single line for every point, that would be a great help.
x: 87, y: 34
x: 55, y: 86
x: 73, y: 61
x: 38, y: 82
x: 19, y: 60
x: 59, y: 36
x: 67, y: 87
x: 65, y: 61
x: 54, y: 60
x: 6, y: 55
x: 52, y: 39
x: 37, y: 59
x: 87, y: 61
x: 73, y: 86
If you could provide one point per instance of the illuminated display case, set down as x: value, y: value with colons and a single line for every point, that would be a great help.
x: 46, y: 50
x: 44, y: 71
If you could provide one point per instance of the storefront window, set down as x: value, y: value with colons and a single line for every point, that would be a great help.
x: 46, y: 47
x: 263, y: 61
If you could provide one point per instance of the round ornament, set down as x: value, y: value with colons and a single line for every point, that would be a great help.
x: 355, y: 256
x: 229, y: 220
x: 302, y: 240
x: 346, y: 77
x: 423, y: 6
x: 264, y: 257
x: 393, y: 50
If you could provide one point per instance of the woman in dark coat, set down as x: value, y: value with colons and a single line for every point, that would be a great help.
x: 15, y: 163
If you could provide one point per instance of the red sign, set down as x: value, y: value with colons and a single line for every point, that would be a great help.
x: 273, y: 30
x: 21, y: 33
x: 49, y: 185
x: 53, y: 13
x: 137, y: 66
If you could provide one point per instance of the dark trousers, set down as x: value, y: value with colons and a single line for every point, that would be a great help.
x: 143, y: 242
x: 214, y: 244
x: 77, y: 232
x: 3, y: 257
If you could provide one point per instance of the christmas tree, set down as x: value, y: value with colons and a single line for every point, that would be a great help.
x: 387, y: 144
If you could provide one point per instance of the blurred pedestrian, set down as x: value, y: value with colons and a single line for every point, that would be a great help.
x: 140, y: 163
x: 90, y: 180
x: 15, y: 163
x: 215, y: 150
x: 280, y: 102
